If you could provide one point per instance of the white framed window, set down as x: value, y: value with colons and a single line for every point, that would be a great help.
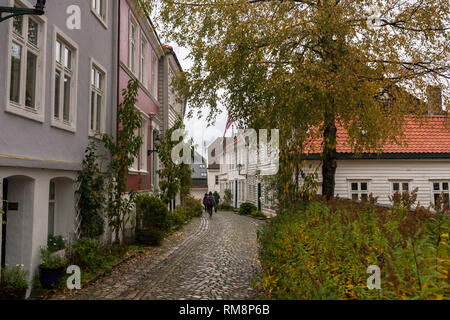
x: 133, y: 45
x: 140, y: 162
x: 359, y: 190
x: 26, y: 65
x: 97, y: 99
x: 51, y: 209
x: 439, y: 188
x: 154, y: 76
x: 400, y: 186
x: 64, y: 95
x: 144, y: 62
x: 100, y: 9
x: 204, y: 174
x: 202, y: 166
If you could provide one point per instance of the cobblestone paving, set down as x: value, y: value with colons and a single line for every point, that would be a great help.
x: 210, y: 259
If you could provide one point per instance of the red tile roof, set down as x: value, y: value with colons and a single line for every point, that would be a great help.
x: 429, y: 136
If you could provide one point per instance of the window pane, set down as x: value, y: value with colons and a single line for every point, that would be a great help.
x: 51, y: 218
x: 30, y: 93
x: 93, y: 76
x: 92, y: 110
x: 355, y: 197
x: 405, y: 187
x: 58, y: 51
x: 66, y: 106
x: 355, y: 186
x: 18, y: 24
x: 16, y: 58
x: 99, y: 112
x: 445, y: 186
x: 364, y: 186
x: 98, y: 81
x: 396, y: 186
x: 52, y: 191
x: 32, y: 32
x: 67, y: 58
x: 57, y: 92
x: 436, y: 197
x: 436, y: 186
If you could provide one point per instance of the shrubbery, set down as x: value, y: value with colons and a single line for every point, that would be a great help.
x: 151, y: 212
x: 194, y: 207
x: 323, y: 251
x: 225, y: 207
x: 247, y: 208
x: 87, y: 253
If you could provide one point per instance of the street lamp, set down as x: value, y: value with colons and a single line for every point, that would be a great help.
x: 240, y: 167
x: 14, y: 12
x: 155, y: 145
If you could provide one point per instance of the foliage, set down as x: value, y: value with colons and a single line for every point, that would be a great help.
x: 194, y: 206
x: 51, y: 260
x: 177, y: 218
x: 91, y: 194
x: 257, y: 214
x: 323, y: 251
x: 185, y: 182
x: 151, y: 212
x: 298, y: 65
x: 88, y: 254
x: 228, y: 198
x: 151, y: 236
x: 247, y: 208
x: 13, y: 282
x: 55, y: 243
x: 124, y: 149
x: 173, y: 174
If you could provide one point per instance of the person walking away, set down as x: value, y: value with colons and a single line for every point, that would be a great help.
x: 205, y: 202
x: 217, y: 200
x: 211, y: 204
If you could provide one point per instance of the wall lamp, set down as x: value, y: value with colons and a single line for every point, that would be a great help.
x: 156, y: 143
x: 14, y: 12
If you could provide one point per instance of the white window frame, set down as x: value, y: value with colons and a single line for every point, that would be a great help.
x: 103, y: 92
x: 360, y: 192
x: 144, y: 61
x: 101, y: 16
x: 441, y: 188
x: 400, y: 182
x: 154, y: 76
x: 143, y: 153
x: 133, y: 23
x: 37, y: 113
x: 60, y: 122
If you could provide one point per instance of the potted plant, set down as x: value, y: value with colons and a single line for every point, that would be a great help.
x: 13, y: 283
x: 52, y: 269
x: 56, y: 245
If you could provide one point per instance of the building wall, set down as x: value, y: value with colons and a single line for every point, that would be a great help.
x: 212, y: 186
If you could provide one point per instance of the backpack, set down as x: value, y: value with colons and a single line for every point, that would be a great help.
x: 210, y: 201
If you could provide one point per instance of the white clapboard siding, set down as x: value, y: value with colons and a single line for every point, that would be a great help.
x: 380, y: 174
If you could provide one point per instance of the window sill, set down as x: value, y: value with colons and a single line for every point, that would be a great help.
x: 24, y: 112
x: 96, y: 135
x: 100, y: 19
x: 63, y: 126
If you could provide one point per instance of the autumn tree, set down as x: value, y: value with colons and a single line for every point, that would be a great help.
x: 307, y: 66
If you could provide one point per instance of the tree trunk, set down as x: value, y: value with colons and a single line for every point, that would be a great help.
x: 329, y: 162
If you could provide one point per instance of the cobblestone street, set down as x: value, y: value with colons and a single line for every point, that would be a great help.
x: 208, y: 259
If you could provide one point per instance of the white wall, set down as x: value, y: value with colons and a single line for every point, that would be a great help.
x: 212, y: 186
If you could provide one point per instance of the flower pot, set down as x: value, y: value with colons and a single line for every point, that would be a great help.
x: 49, y: 277
x: 18, y: 294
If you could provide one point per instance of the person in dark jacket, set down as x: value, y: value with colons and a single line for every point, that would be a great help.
x: 205, y: 202
x: 211, y: 204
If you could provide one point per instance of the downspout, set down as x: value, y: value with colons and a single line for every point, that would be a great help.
x: 118, y: 67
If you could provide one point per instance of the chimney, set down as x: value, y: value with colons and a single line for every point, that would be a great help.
x: 434, y: 94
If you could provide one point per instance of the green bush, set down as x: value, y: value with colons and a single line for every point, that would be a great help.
x: 193, y: 206
x: 258, y: 214
x: 178, y: 217
x: 323, y: 251
x: 247, y: 208
x: 50, y: 260
x: 151, y: 236
x: 151, y: 213
x: 13, y: 283
x: 55, y: 243
x: 88, y: 254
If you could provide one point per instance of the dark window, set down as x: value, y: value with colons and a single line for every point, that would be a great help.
x: 364, y: 186
x: 396, y: 186
x: 355, y: 186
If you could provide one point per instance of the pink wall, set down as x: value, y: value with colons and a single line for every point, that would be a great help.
x: 136, y: 182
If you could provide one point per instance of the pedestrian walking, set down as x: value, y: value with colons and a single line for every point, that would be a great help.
x: 205, y: 202
x: 211, y: 204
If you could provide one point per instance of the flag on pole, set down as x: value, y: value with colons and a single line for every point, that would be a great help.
x: 229, y: 123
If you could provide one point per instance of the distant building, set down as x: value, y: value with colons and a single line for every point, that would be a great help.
x: 199, y: 176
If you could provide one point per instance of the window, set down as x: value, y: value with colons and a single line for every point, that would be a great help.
x: 359, y: 190
x: 439, y: 188
x: 64, y: 79
x: 154, y: 76
x: 26, y: 64
x: 99, y: 8
x: 217, y: 180
x: 51, y: 210
x: 140, y: 162
x: 202, y: 166
x: 144, y: 62
x: 399, y: 186
x: 133, y: 50
x: 97, y: 114
x: 204, y: 174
